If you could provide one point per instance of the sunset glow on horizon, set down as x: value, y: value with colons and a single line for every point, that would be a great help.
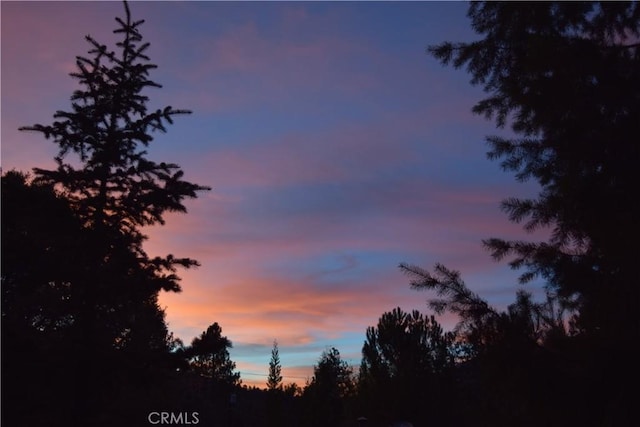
x: 336, y: 148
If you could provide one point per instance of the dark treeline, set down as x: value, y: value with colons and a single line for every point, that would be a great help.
x: 84, y: 341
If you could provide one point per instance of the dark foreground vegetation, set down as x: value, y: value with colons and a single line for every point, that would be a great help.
x: 84, y: 342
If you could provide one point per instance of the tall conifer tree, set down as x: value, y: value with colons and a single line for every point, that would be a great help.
x: 566, y: 77
x: 112, y: 185
x: 109, y: 128
x: 114, y: 189
x: 274, y: 381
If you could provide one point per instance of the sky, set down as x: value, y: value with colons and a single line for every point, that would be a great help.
x: 335, y: 146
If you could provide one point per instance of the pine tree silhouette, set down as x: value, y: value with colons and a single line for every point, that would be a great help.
x: 114, y: 190
x: 274, y: 381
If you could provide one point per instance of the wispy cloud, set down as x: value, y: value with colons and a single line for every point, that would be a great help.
x: 336, y: 148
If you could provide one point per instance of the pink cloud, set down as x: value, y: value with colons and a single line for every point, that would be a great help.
x: 294, y: 16
x: 245, y: 68
x: 245, y: 48
x: 256, y: 306
x: 236, y: 287
x: 53, y: 36
x: 250, y: 238
x: 422, y: 216
x: 337, y: 154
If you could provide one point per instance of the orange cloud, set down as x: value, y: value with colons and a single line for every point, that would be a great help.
x: 301, y: 236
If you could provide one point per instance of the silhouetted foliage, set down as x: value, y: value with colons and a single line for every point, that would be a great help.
x: 331, y: 385
x: 38, y: 229
x: 479, y: 323
x: 117, y: 189
x: 292, y: 390
x: 209, y: 356
x: 566, y: 77
x: 274, y: 380
x: 78, y: 285
x: 476, y: 315
x: 406, y: 360
x: 509, y: 366
x: 39, y: 256
x: 108, y: 129
x: 275, y: 400
x: 46, y: 260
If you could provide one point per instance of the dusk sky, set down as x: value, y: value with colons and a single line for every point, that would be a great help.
x: 335, y: 146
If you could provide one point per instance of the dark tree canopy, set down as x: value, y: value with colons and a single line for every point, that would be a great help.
x: 38, y: 229
x: 112, y: 188
x: 566, y: 77
x: 332, y: 383
x: 332, y: 374
x: 405, y: 360
x: 209, y: 356
x: 53, y: 341
x: 116, y: 188
x: 480, y: 325
x: 78, y: 289
x: 513, y: 367
x: 406, y: 346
